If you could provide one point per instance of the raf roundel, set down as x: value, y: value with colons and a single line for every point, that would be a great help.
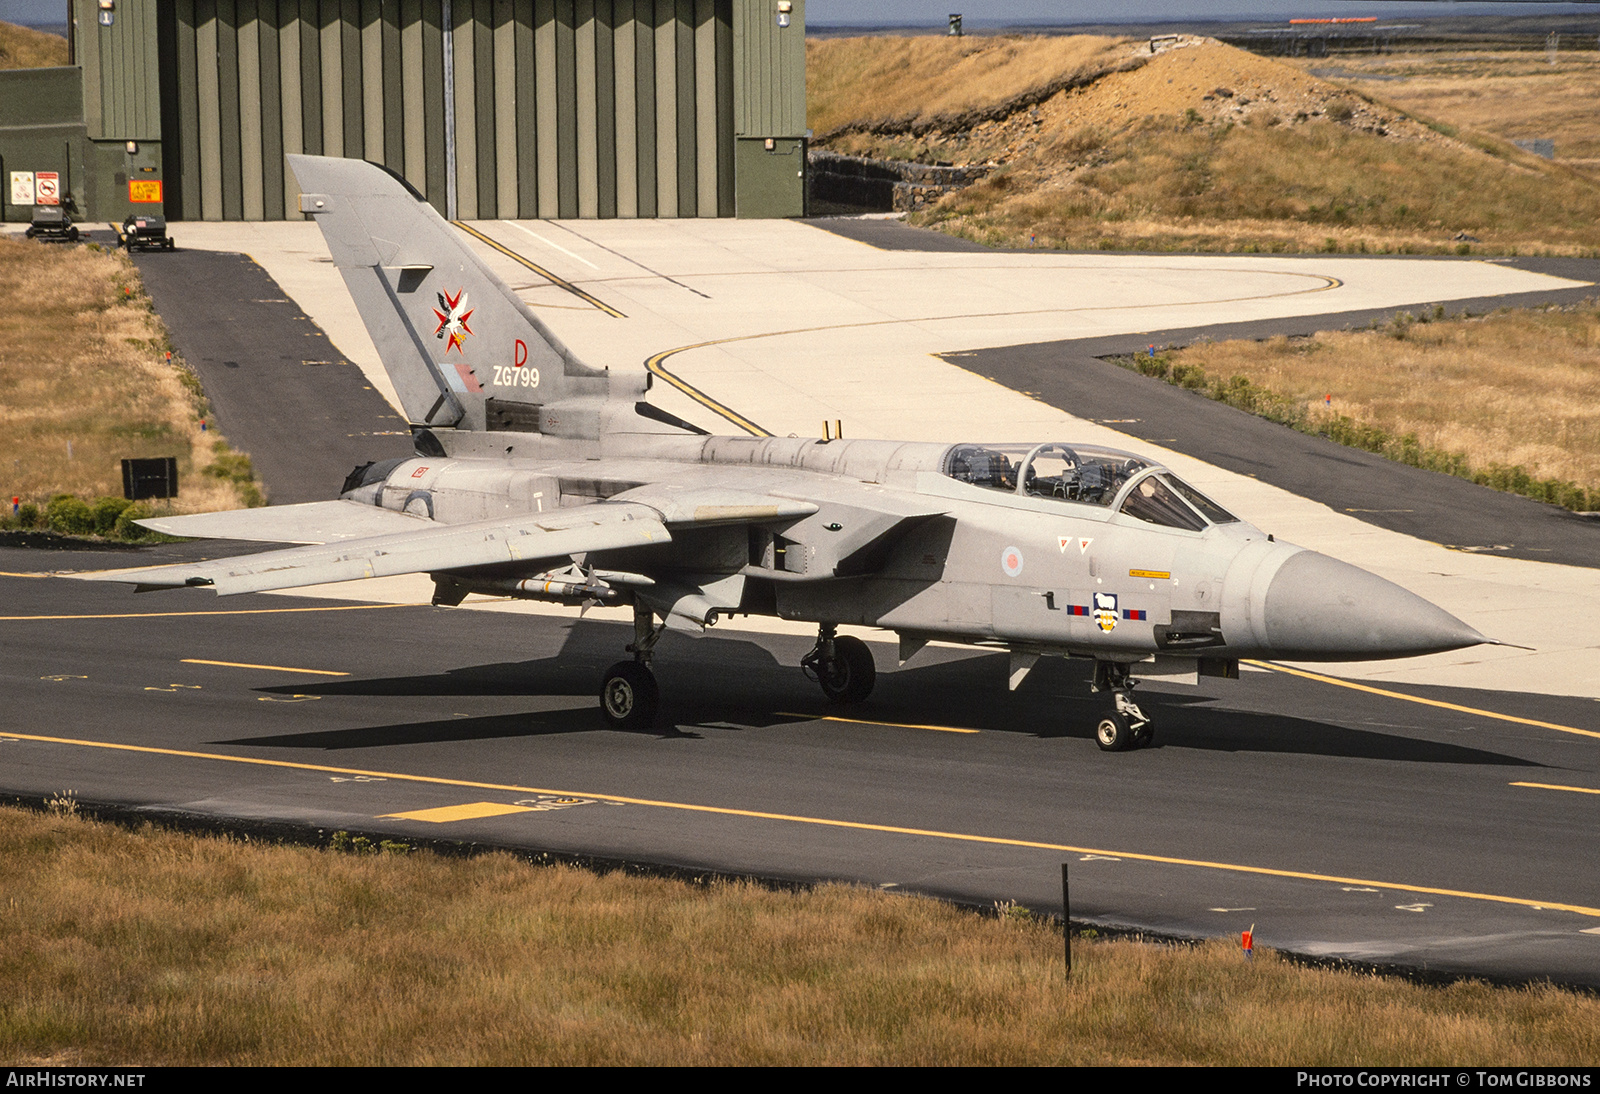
x: 1011, y: 561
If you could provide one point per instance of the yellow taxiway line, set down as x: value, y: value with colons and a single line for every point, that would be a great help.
x: 1558, y: 786
x: 655, y: 367
x: 1352, y: 685
x: 270, y: 668
x: 864, y: 722
x: 559, y: 282
x: 227, y: 611
x: 829, y: 822
x: 655, y: 364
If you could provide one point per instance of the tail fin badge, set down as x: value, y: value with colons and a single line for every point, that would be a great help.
x: 453, y: 320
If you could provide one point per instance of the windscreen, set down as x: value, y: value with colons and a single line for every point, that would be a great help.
x: 1154, y: 499
x: 1213, y: 512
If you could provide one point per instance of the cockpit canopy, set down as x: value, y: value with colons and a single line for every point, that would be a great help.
x: 1087, y: 475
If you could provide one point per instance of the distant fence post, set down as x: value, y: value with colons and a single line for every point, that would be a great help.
x: 1066, y: 918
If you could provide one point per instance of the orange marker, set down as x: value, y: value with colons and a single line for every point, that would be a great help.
x: 1247, y: 940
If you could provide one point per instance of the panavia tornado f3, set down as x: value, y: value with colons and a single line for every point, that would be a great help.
x: 536, y: 476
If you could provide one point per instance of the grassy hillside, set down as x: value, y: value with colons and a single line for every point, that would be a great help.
x: 1200, y: 147
x: 23, y: 47
x: 911, y: 83
x: 1507, y: 95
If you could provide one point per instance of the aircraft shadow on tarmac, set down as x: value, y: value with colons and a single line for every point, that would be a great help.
x: 733, y: 683
x: 438, y: 731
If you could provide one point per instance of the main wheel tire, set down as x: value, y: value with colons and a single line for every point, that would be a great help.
x: 1113, y: 734
x: 629, y: 696
x: 850, y: 675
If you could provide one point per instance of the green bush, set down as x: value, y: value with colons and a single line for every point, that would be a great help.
x: 69, y: 516
x: 105, y: 512
x: 125, y: 529
x: 29, y: 517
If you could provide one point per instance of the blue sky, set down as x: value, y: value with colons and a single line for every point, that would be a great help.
x: 933, y: 13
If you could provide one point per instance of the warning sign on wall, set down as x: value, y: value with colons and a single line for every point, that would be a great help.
x: 47, y: 188
x: 144, y: 190
x: 22, y: 187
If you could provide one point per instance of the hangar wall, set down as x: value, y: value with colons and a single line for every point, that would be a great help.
x: 490, y: 108
x: 95, y: 123
x: 42, y: 129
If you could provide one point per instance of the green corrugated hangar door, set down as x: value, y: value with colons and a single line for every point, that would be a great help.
x: 490, y: 108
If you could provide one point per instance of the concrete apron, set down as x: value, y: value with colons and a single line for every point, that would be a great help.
x: 814, y: 327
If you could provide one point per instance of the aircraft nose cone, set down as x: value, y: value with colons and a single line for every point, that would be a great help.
x: 1318, y: 608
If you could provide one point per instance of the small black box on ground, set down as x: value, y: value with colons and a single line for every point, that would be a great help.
x: 51, y: 224
x: 157, y: 478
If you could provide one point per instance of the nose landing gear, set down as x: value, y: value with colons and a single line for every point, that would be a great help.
x: 1127, y: 727
x: 842, y: 666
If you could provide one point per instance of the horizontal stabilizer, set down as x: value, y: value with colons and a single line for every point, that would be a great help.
x: 313, y: 522
x: 428, y: 548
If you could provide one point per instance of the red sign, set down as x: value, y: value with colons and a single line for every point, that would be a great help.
x: 47, y: 188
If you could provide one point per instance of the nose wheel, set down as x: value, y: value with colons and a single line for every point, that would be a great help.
x: 843, y: 667
x: 1126, y: 727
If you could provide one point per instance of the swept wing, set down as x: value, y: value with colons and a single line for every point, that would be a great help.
x: 431, y: 547
x: 310, y: 522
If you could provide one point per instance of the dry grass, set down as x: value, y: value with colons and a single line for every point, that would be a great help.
x: 23, y: 47
x: 1508, y: 95
x: 1203, y: 147
x: 155, y: 948
x: 1316, y: 187
x: 84, y: 382
x: 898, y: 82
x: 1517, y: 388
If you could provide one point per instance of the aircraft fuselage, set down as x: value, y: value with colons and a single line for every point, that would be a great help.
x: 896, y: 542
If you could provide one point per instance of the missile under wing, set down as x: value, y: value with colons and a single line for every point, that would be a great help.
x: 537, y: 476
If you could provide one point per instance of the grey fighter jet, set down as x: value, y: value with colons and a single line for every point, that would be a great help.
x: 537, y: 476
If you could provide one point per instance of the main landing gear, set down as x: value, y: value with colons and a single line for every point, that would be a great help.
x: 629, y: 694
x: 1127, y: 726
x: 843, y: 666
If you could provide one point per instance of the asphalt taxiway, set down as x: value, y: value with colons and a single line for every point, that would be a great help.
x: 289, y: 398
x: 1434, y: 814
x: 1417, y: 826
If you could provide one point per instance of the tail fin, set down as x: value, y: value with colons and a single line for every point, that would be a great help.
x: 462, y: 349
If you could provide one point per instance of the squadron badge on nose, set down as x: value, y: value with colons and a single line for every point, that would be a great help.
x: 1105, y: 610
